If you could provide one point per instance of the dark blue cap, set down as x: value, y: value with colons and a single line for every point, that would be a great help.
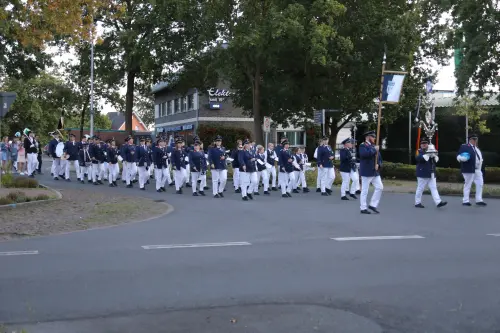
x: 370, y: 133
x: 348, y: 140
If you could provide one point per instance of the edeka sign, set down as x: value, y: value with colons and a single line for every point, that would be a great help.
x: 218, y: 95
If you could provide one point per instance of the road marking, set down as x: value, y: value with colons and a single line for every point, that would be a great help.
x: 344, y: 239
x: 18, y: 253
x: 494, y: 235
x: 183, y: 246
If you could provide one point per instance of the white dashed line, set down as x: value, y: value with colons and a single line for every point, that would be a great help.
x: 18, y: 253
x: 184, y: 246
x: 344, y: 239
x: 494, y: 235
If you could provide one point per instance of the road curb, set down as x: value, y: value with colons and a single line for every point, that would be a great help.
x: 16, y: 205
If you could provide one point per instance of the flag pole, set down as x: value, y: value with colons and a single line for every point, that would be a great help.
x: 380, y: 107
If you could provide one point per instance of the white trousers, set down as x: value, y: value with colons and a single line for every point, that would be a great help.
x: 105, y: 172
x: 249, y: 183
x: 477, y: 179
x: 272, y: 175
x: 195, y: 176
x: 346, y: 181
x: 161, y: 176
x: 113, y: 170
x: 377, y: 194
x: 236, y: 178
x: 264, y: 175
x: 56, y: 167
x: 327, y: 178
x: 143, y: 176
x: 179, y: 178
x: 219, y: 179
x: 286, y: 182
x: 421, y: 184
x: 128, y: 168
x: 97, y: 171
x: 32, y: 163
x: 301, y: 179
x: 67, y: 166
x: 296, y: 175
x: 134, y: 171
x: 83, y: 171
x: 318, y: 178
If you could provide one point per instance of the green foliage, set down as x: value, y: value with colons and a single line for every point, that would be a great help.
x: 230, y: 135
x: 472, y: 108
x: 9, y: 181
x: 17, y: 196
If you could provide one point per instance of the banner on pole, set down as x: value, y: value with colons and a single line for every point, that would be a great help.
x: 318, y: 117
x: 6, y: 100
x: 267, y: 124
x: 392, y: 87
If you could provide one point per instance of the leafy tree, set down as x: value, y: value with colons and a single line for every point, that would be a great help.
x: 143, y: 42
x: 472, y: 109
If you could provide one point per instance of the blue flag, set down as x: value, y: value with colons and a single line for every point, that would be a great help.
x: 391, y: 90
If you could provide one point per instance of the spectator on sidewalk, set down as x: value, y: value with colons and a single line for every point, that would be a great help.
x: 14, y: 147
x: 21, y: 158
x: 4, y: 153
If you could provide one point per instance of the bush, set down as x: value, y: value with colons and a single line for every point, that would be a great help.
x: 24, y: 182
x: 17, y: 196
x: 6, y: 201
x: 7, y: 180
x: 41, y: 197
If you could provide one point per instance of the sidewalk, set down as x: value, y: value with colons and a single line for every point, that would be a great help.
x: 406, y: 186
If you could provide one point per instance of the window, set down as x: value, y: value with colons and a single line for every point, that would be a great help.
x: 164, y: 108
x: 176, y: 105
x: 296, y: 138
x: 170, y: 110
x: 184, y: 104
x: 191, y: 102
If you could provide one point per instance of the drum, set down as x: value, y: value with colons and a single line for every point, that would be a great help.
x: 60, y: 149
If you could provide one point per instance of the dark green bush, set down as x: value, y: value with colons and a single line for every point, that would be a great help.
x: 17, y: 196
x: 6, y: 201
x: 25, y: 182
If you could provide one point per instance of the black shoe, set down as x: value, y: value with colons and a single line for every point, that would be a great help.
x: 52, y: 175
x: 353, y: 196
x: 129, y: 186
x: 61, y: 176
x: 134, y: 181
x: 266, y: 193
x: 206, y: 188
x: 358, y: 192
x: 171, y: 184
x: 143, y: 189
x: 201, y: 193
x: 305, y: 190
x: 365, y: 211
x: 466, y: 204
x: 163, y: 189
x: 124, y: 182
x: 296, y: 191
x: 116, y: 185
x: 100, y: 182
x: 244, y: 198
x: 328, y: 191
x: 344, y: 198
x: 238, y: 190
x: 96, y: 183
x: 56, y: 178
x: 374, y: 209
x: 217, y: 196
x: 441, y: 204
x: 481, y: 203
x: 178, y: 192
x: 151, y: 177
x: 147, y: 182
x: 83, y: 182
x: 89, y: 181
x: 68, y: 180
x: 274, y: 189
x: 318, y: 190
x: 159, y: 191
x: 288, y: 194
x: 284, y: 196
x: 256, y: 193
x: 324, y: 194
x: 250, y: 196
x: 195, y: 194
x: 419, y: 206
x: 221, y: 195
x: 188, y: 185
x: 111, y: 185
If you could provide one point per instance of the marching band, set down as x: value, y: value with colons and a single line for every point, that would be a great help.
x: 253, y: 166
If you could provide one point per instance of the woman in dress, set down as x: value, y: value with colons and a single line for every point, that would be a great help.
x: 4, y: 153
x: 21, y: 158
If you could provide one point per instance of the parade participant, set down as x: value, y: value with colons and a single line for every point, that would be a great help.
x: 85, y: 161
x: 298, y: 167
x: 129, y: 159
x: 426, y: 174
x: 105, y: 163
x: 112, y: 154
x: 178, y: 162
x: 55, y: 170
x: 151, y: 156
x: 71, y: 150
x: 198, y: 166
x: 302, y: 174
x: 39, y: 154
x: 370, y: 174
x: 143, y: 161
x: 348, y: 170
x: 271, y: 158
x: 217, y: 160
x: 325, y: 167
x: 318, y: 174
x: 262, y: 171
x: 98, y: 157
x: 236, y: 166
x: 278, y: 150
x: 248, y: 174
x: 161, y: 165
x: 471, y: 164
x: 287, y: 178
x: 203, y: 177
x: 31, y: 153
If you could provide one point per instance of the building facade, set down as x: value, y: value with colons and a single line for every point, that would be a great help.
x: 182, y: 115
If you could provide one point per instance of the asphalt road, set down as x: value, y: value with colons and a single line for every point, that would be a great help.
x: 272, y: 267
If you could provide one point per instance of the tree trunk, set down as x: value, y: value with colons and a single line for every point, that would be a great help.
x: 257, y: 114
x: 129, y: 101
x: 334, y: 131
